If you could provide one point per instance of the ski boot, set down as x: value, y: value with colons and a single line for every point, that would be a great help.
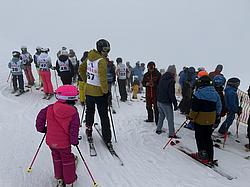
x: 60, y: 183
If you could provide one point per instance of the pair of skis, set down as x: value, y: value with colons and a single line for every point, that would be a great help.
x: 213, y: 167
x: 92, y: 150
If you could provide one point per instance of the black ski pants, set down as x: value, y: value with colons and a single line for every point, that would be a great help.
x: 122, y: 89
x: 102, y: 107
x: 66, y: 77
x: 203, y: 139
x: 20, y: 80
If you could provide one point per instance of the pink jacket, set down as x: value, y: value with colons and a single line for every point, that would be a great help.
x: 62, y: 125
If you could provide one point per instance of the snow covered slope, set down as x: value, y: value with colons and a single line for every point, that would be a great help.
x: 146, y: 164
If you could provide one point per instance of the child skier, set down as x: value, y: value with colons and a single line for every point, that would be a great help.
x: 60, y: 121
x: 16, y: 67
x: 205, y: 107
x: 44, y: 64
x: 135, y: 88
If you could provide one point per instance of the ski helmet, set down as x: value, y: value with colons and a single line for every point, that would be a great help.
x: 67, y: 93
x: 204, y: 81
x: 38, y: 48
x: 102, y: 45
x: 233, y: 82
x: 202, y: 73
x: 219, y: 80
x: 23, y: 48
x: 201, y: 69
x: 45, y: 50
x: 16, y: 54
x: 151, y: 64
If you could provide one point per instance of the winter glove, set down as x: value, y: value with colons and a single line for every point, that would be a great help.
x: 217, y: 120
x: 53, y: 68
x: 175, y: 108
x: 188, y: 117
x: 44, y: 130
x: 107, y: 94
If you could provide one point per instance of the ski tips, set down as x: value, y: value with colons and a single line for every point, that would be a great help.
x: 29, y: 170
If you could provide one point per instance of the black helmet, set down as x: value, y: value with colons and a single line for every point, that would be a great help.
x: 151, y: 64
x: 204, y: 81
x: 233, y: 82
x: 102, y: 45
x: 16, y: 54
x: 119, y: 60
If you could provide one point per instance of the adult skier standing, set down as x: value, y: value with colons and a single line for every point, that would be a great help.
x: 121, y: 72
x: 35, y: 57
x: 94, y: 72
x: 150, y: 81
x: 205, y: 109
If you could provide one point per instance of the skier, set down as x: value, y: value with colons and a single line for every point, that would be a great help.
x: 137, y: 72
x: 232, y: 105
x: 16, y: 67
x: 129, y: 76
x: 27, y: 60
x: 121, y: 72
x: 188, y: 84
x: 94, y: 72
x: 150, y: 81
x: 248, y: 124
x: 111, y: 76
x: 64, y: 49
x: 60, y: 121
x: 217, y: 71
x: 205, y: 108
x: 36, y: 55
x: 166, y: 100
x: 219, y: 83
x: 75, y: 63
x: 64, y: 67
x: 135, y: 88
x: 44, y: 64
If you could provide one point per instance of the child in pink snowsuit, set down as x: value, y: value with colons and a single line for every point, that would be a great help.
x: 61, y: 131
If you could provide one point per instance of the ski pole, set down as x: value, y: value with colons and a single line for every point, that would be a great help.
x: 112, y: 123
x: 56, y: 78
x: 82, y: 115
x: 238, y: 118
x: 116, y: 96
x: 30, y: 167
x: 9, y: 77
x: 185, y: 122
x: 94, y: 182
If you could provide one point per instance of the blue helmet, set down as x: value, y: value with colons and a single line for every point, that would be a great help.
x: 219, y: 80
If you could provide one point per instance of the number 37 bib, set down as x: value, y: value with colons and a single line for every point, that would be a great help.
x: 92, y: 73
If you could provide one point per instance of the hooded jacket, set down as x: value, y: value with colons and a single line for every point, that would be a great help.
x: 205, y: 106
x: 62, y: 125
x: 231, y: 99
x: 166, y: 89
x: 92, y: 90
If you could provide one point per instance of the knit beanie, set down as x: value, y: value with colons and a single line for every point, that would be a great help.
x: 171, y: 69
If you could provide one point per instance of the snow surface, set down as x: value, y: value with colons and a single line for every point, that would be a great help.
x: 146, y: 164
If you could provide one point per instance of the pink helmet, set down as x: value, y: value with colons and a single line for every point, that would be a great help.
x: 67, y: 92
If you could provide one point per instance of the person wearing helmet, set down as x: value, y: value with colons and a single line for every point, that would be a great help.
x: 248, y: 125
x: 93, y: 71
x: 60, y: 121
x: 16, y: 68
x: 219, y: 83
x: 111, y: 76
x: 44, y: 64
x: 150, y: 81
x: 205, y: 106
x: 64, y: 67
x: 202, y: 73
x: 27, y: 60
x: 166, y: 101
x: 121, y: 72
x: 129, y: 76
x: 35, y: 56
x: 232, y: 105
x: 217, y: 71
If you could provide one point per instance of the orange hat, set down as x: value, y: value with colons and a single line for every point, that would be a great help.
x: 202, y: 73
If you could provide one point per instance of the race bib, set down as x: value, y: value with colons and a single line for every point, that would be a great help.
x: 92, y: 73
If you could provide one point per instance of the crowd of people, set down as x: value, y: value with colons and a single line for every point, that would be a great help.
x: 206, y: 98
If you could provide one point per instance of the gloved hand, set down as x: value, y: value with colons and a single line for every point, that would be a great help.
x: 107, y: 94
x: 218, y: 120
x: 53, y: 68
x: 188, y: 117
x: 45, y: 129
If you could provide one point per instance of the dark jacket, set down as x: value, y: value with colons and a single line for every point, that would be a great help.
x: 166, y: 89
x: 205, y: 106
x: 231, y: 99
x: 110, y: 72
x: 152, y: 78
